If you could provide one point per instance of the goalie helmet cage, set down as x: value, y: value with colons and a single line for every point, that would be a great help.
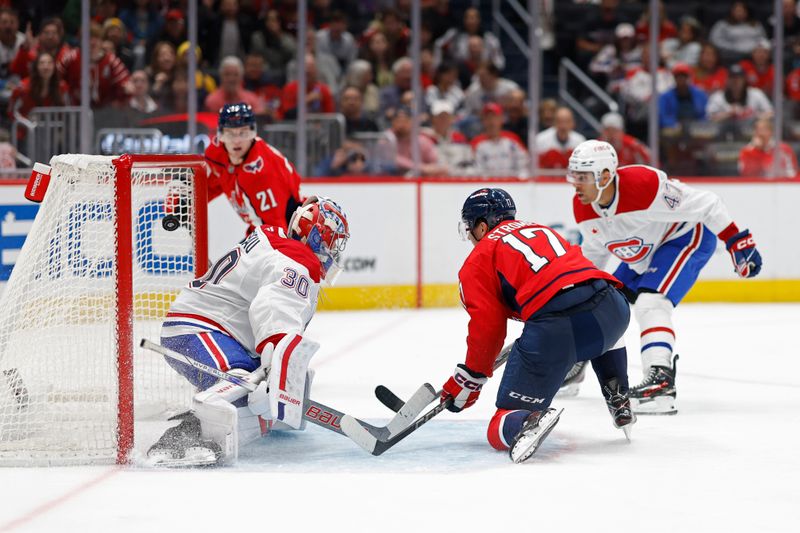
x: 97, y: 272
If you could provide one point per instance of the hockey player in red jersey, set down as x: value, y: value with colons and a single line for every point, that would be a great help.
x: 572, y: 312
x: 663, y: 232
x: 247, y: 316
x: 261, y: 184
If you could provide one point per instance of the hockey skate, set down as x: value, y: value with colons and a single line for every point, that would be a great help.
x: 656, y: 394
x: 619, y: 405
x: 537, y: 427
x: 183, y: 446
x: 572, y: 383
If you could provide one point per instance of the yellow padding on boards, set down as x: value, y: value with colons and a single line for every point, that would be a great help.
x: 446, y: 295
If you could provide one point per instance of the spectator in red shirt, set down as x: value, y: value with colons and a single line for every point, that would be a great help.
x: 50, y: 39
x: 758, y: 70
x: 630, y: 151
x: 43, y: 88
x: 709, y: 75
x: 231, y: 90
x: 756, y: 159
x: 318, y: 95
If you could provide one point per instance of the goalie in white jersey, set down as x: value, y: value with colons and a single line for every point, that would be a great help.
x: 663, y: 232
x: 246, y: 316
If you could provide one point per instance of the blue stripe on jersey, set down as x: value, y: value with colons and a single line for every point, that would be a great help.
x: 666, y: 345
x: 281, y: 407
x: 194, y: 325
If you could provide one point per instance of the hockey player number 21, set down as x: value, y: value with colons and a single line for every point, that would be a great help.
x: 267, y: 199
x: 526, y: 248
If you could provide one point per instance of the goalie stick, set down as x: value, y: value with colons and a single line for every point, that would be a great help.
x: 315, y: 412
x: 376, y: 445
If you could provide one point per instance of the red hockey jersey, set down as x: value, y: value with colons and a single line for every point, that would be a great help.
x: 511, y: 273
x: 263, y: 189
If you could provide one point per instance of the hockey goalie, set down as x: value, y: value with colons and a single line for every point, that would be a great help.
x: 246, y: 316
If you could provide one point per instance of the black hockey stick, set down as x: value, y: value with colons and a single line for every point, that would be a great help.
x: 315, y: 412
x: 376, y: 445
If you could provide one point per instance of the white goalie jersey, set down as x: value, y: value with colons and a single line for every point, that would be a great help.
x: 267, y: 286
x: 648, y: 210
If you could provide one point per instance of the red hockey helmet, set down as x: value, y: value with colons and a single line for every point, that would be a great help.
x: 321, y: 224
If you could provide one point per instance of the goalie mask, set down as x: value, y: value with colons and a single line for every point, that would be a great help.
x: 321, y: 224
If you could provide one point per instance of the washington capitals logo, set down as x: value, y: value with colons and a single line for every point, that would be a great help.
x: 254, y: 166
x: 630, y: 250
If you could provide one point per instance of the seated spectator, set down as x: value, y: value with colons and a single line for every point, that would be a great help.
x: 738, y: 102
x: 556, y: 144
x: 686, y: 47
x: 498, y: 152
x: 259, y: 82
x: 709, y: 75
x: 758, y: 70
x: 337, y: 41
x: 614, y: 60
x: 547, y: 113
x: 445, y: 87
x: 44, y: 88
x: 318, y: 99
x: 426, y: 69
x: 516, y: 111
x: 359, y: 74
x: 393, y: 26
x: 757, y: 158
x: 390, y: 96
x: 394, y: 148
x: 327, y: 67
x: 204, y: 83
x: 488, y: 87
x: 598, y: 28
x: 684, y: 102
x: 115, y: 32
x: 376, y: 52
x: 451, y: 144
x: 350, y: 159
x: 50, y: 40
x: 161, y: 70
x: 11, y: 40
x: 350, y: 105
x: 630, y: 151
x: 231, y: 88
x: 468, y: 67
x: 108, y: 77
x: 636, y: 91
x: 140, y: 99
x: 454, y: 44
x: 667, y: 30
x: 737, y: 35
x: 277, y: 46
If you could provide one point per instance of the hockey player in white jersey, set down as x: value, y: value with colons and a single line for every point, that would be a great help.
x: 246, y: 316
x: 663, y: 232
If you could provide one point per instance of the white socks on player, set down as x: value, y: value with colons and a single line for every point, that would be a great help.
x: 654, y: 314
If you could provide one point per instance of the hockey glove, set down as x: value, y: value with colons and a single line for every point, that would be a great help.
x: 464, y: 387
x: 746, y: 258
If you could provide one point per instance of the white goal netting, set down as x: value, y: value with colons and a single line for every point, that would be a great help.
x: 59, y: 313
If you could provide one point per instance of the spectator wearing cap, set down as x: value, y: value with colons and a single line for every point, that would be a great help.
x: 759, y: 70
x: 757, y: 158
x: 337, y: 41
x: 173, y: 31
x: 318, y: 99
x: 630, y: 151
x: 516, y: 111
x: 351, y: 106
x: 204, y: 82
x: 709, y: 74
x: 686, y: 47
x: 115, y: 32
x: 487, y: 87
x: 738, y: 102
x: 684, y: 102
x: 451, y: 145
x: 231, y: 88
x: 498, y: 152
x: 737, y: 35
x: 394, y: 148
x: 614, y: 60
x: 445, y: 86
x: 555, y: 144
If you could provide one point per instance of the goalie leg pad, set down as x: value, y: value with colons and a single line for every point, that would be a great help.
x: 654, y: 314
x: 287, y: 380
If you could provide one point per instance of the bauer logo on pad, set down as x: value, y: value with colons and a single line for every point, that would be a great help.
x: 38, y: 182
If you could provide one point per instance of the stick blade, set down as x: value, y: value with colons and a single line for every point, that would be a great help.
x: 358, y: 433
x: 388, y: 398
x: 412, y: 408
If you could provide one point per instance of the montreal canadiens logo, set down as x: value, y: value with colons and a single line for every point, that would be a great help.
x: 630, y: 250
x: 255, y: 166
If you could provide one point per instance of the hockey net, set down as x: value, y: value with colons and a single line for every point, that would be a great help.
x: 97, y: 272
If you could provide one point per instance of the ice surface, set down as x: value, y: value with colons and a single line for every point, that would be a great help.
x: 727, y: 462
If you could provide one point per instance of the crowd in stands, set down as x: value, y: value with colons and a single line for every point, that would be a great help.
x: 715, y: 77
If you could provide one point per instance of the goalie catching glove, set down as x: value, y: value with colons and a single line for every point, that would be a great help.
x: 464, y: 387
